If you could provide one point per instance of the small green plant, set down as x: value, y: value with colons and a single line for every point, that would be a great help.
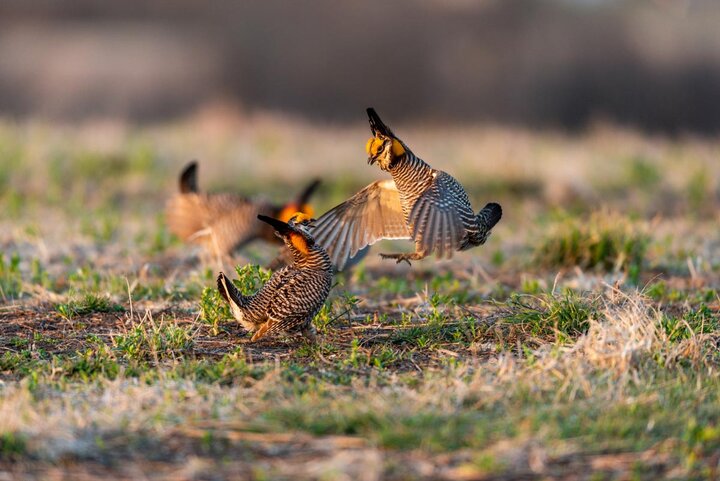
x: 700, y: 320
x: 100, y: 226
x: 88, y: 304
x: 12, y: 445
x: 250, y: 278
x: 498, y: 258
x: 159, y: 239
x: 10, y: 277
x: 213, y: 309
x: 355, y: 358
x: 150, y: 340
x: 530, y: 286
x: 383, y: 357
x: 656, y: 291
x: 84, y: 279
x: 38, y: 274
x: 323, y: 318
x: 88, y: 364
x: 16, y: 361
x: 395, y: 286
x: 332, y: 311
x: 424, y: 336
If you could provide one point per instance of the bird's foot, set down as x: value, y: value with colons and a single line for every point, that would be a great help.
x: 310, y: 334
x: 403, y: 257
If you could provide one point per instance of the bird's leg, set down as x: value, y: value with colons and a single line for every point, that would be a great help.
x: 310, y: 333
x: 406, y: 257
x: 261, y: 331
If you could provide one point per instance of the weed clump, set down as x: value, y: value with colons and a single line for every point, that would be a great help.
x: 696, y: 321
x: 213, y: 309
x: 561, y: 317
x: 146, y: 341
x: 87, y: 365
x: 10, y: 277
x: 12, y: 446
x: 604, y: 241
x: 87, y: 305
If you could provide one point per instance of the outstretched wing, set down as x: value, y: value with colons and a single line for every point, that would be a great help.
x: 372, y: 214
x: 437, y: 218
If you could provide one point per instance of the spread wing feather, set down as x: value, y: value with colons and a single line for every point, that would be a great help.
x: 372, y: 214
x: 436, y: 223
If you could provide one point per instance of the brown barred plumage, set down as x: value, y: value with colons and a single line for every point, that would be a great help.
x: 225, y: 222
x: 294, y: 294
x: 419, y: 203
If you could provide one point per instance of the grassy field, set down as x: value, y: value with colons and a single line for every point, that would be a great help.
x: 581, y: 342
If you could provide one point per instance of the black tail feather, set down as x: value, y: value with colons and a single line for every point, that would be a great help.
x: 305, y: 195
x: 229, y: 292
x: 222, y: 281
x: 188, y: 178
x: 490, y: 215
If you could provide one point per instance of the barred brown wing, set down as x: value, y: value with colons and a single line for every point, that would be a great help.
x: 372, y: 214
x: 436, y: 219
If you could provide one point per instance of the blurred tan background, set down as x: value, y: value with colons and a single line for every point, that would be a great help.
x: 651, y: 65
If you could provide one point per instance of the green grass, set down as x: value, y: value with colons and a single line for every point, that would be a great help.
x: 12, y: 446
x: 90, y: 303
x: 605, y: 241
x: 558, y: 318
x: 485, y: 365
x: 151, y: 341
x: 391, y: 423
x: 10, y: 277
x: 699, y: 320
x: 213, y: 308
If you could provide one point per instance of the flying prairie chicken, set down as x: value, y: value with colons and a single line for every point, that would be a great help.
x: 294, y: 294
x: 224, y: 222
x: 420, y: 203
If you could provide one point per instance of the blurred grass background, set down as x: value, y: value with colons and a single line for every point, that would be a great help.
x: 557, y: 109
x: 561, y: 63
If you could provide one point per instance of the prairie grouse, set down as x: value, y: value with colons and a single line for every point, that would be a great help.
x: 420, y: 203
x: 294, y: 294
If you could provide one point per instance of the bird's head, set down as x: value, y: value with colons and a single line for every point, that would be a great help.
x: 383, y: 147
x: 300, y: 205
x: 302, y: 222
x: 295, y: 232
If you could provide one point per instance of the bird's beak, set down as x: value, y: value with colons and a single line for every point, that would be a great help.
x: 371, y: 160
x: 281, y: 228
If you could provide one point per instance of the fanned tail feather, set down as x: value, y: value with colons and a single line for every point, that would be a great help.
x: 305, y: 195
